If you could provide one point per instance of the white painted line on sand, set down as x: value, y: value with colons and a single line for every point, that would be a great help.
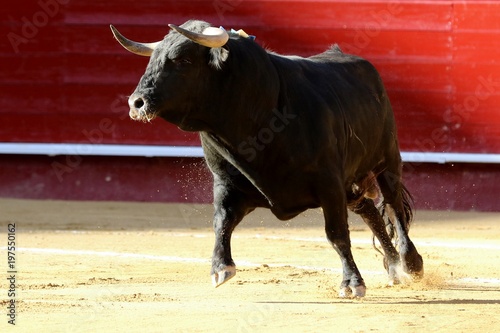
x: 111, y: 254
x: 359, y: 241
x: 243, y: 263
x: 484, y: 281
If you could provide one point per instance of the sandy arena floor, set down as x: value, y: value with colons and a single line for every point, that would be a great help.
x: 130, y: 267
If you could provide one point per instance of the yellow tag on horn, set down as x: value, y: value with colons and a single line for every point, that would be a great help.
x: 242, y: 33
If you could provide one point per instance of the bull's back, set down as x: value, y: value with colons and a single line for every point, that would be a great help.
x: 346, y: 93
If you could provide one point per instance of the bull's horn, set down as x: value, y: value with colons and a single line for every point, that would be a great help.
x: 143, y: 49
x: 210, y: 37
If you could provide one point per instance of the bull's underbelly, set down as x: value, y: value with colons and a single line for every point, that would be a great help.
x: 285, y: 199
x: 287, y: 212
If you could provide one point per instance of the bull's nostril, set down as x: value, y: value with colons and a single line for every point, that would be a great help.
x: 138, y: 103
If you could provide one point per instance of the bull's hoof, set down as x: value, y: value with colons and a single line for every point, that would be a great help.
x: 221, y: 277
x: 397, y: 275
x: 352, y: 291
x: 413, y: 264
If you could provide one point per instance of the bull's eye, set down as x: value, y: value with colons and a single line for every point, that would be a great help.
x: 182, y: 61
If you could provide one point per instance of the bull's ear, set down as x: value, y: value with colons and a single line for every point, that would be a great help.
x: 218, y: 55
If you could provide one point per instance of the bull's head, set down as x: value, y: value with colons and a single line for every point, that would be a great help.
x: 178, y: 71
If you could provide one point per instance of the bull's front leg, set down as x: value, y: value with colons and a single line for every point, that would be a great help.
x: 337, y: 232
x: 223, y: 267
x: 229, y: 211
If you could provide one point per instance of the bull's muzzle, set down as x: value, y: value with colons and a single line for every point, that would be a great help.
x: 140, y: 108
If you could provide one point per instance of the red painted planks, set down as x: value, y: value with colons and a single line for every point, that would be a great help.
x: 358, y: 15
x: 42, y: 68
x: 453, y: 186
x: 476, y: 16
x: 433, y: 186
x: 92, y: 128
x: 416, y: 76
x: 477, y: 47
x: 69, y: 83
x: 101, y: 178
x: 434, y: 57
x: 21, y: 99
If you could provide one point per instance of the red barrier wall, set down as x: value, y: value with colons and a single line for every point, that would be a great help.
x: 63, y: 77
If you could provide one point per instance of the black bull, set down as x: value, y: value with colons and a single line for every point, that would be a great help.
x: 285, y: 133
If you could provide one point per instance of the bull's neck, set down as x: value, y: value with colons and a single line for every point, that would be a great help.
x: 246, y: 167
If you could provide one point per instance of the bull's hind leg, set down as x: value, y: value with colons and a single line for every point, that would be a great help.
x: 337, y: 232
x: 371, y: 216
x: 397, y: 207
x: 230, y: 209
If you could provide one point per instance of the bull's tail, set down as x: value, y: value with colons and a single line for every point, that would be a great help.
x: 408, y: 204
